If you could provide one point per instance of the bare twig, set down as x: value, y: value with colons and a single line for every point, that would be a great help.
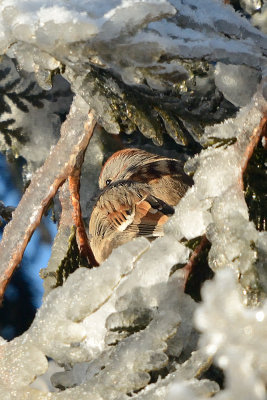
x: 188, y: 268
x: 81, y: 236
x: 257, y: 133
x: 247, y: 143
x: 57, y: 167
x: 74, y: 189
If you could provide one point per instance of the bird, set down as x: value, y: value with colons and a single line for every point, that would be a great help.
x: 138, y: 190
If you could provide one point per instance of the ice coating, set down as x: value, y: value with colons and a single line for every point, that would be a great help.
x: 133, y: 288
x: 54, y: 172
x: 35, y: 112
x: 77, y: 288
x: 155, y: 273
x: 230, y: 79
x: 59, y: 319
x: 137, y: 62
x: 48, y: 26
x: 126, y: 285
x: 91, y: 168
x: 216, y: 203
x: 245, y: 342
x: 118, y: 326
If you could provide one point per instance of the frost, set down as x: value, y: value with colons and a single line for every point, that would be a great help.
x: 59, y: 164
x: 125, y: 320
x: 241, y: 350
x: 43, y: 25
x: 117, y: 54
x: 216, y: 203
x: 194, y: 70
x: 63, y: 329
x: 90, y: 172
x: 29, y: 114
x: 232, y: 79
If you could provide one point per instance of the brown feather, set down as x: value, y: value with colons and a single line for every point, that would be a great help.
x: 123, y: 211
x: 165, y: 175
x: 139, y: 190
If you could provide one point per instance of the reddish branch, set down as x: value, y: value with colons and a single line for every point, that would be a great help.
x: 249, y: 144
x: 188, y: 268
x: 74, y: 189
x: 76, y: 132
x: 81, y: 236
x: 258, y: 132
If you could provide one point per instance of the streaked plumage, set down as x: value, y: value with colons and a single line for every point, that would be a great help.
x: 165, y: 176
x: 138, y: 192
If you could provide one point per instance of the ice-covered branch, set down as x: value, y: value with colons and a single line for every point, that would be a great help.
x: 216, y: 203
x: 126, y: 319
x: 125, y: 329
x: 75, y: 135
x: 82, y: 239
x: 236, y: 335
x: 141, y: 65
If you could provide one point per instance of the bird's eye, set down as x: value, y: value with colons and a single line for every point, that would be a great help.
x: 108, y: 182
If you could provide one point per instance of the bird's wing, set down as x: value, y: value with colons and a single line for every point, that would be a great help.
x: 156, y: 169
x: 128, y: 207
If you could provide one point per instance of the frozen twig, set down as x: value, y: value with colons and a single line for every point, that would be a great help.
x: 258, y: 132
x: 74, y: 188
x: 52, y: 274
x: 188, y: 268
x: 81, y: 236
x: 247, y: 141
x: 45, y: 183
x: 252, y: 138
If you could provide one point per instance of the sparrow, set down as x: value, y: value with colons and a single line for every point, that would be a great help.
x: 138, y: 192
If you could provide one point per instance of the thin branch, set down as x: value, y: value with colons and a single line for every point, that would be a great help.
x: 247, y: 143
x: 192, y: 262
x: 58, y: 166
x: 74, y: 190
x: 257, y: 133
x: 81, y: 236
